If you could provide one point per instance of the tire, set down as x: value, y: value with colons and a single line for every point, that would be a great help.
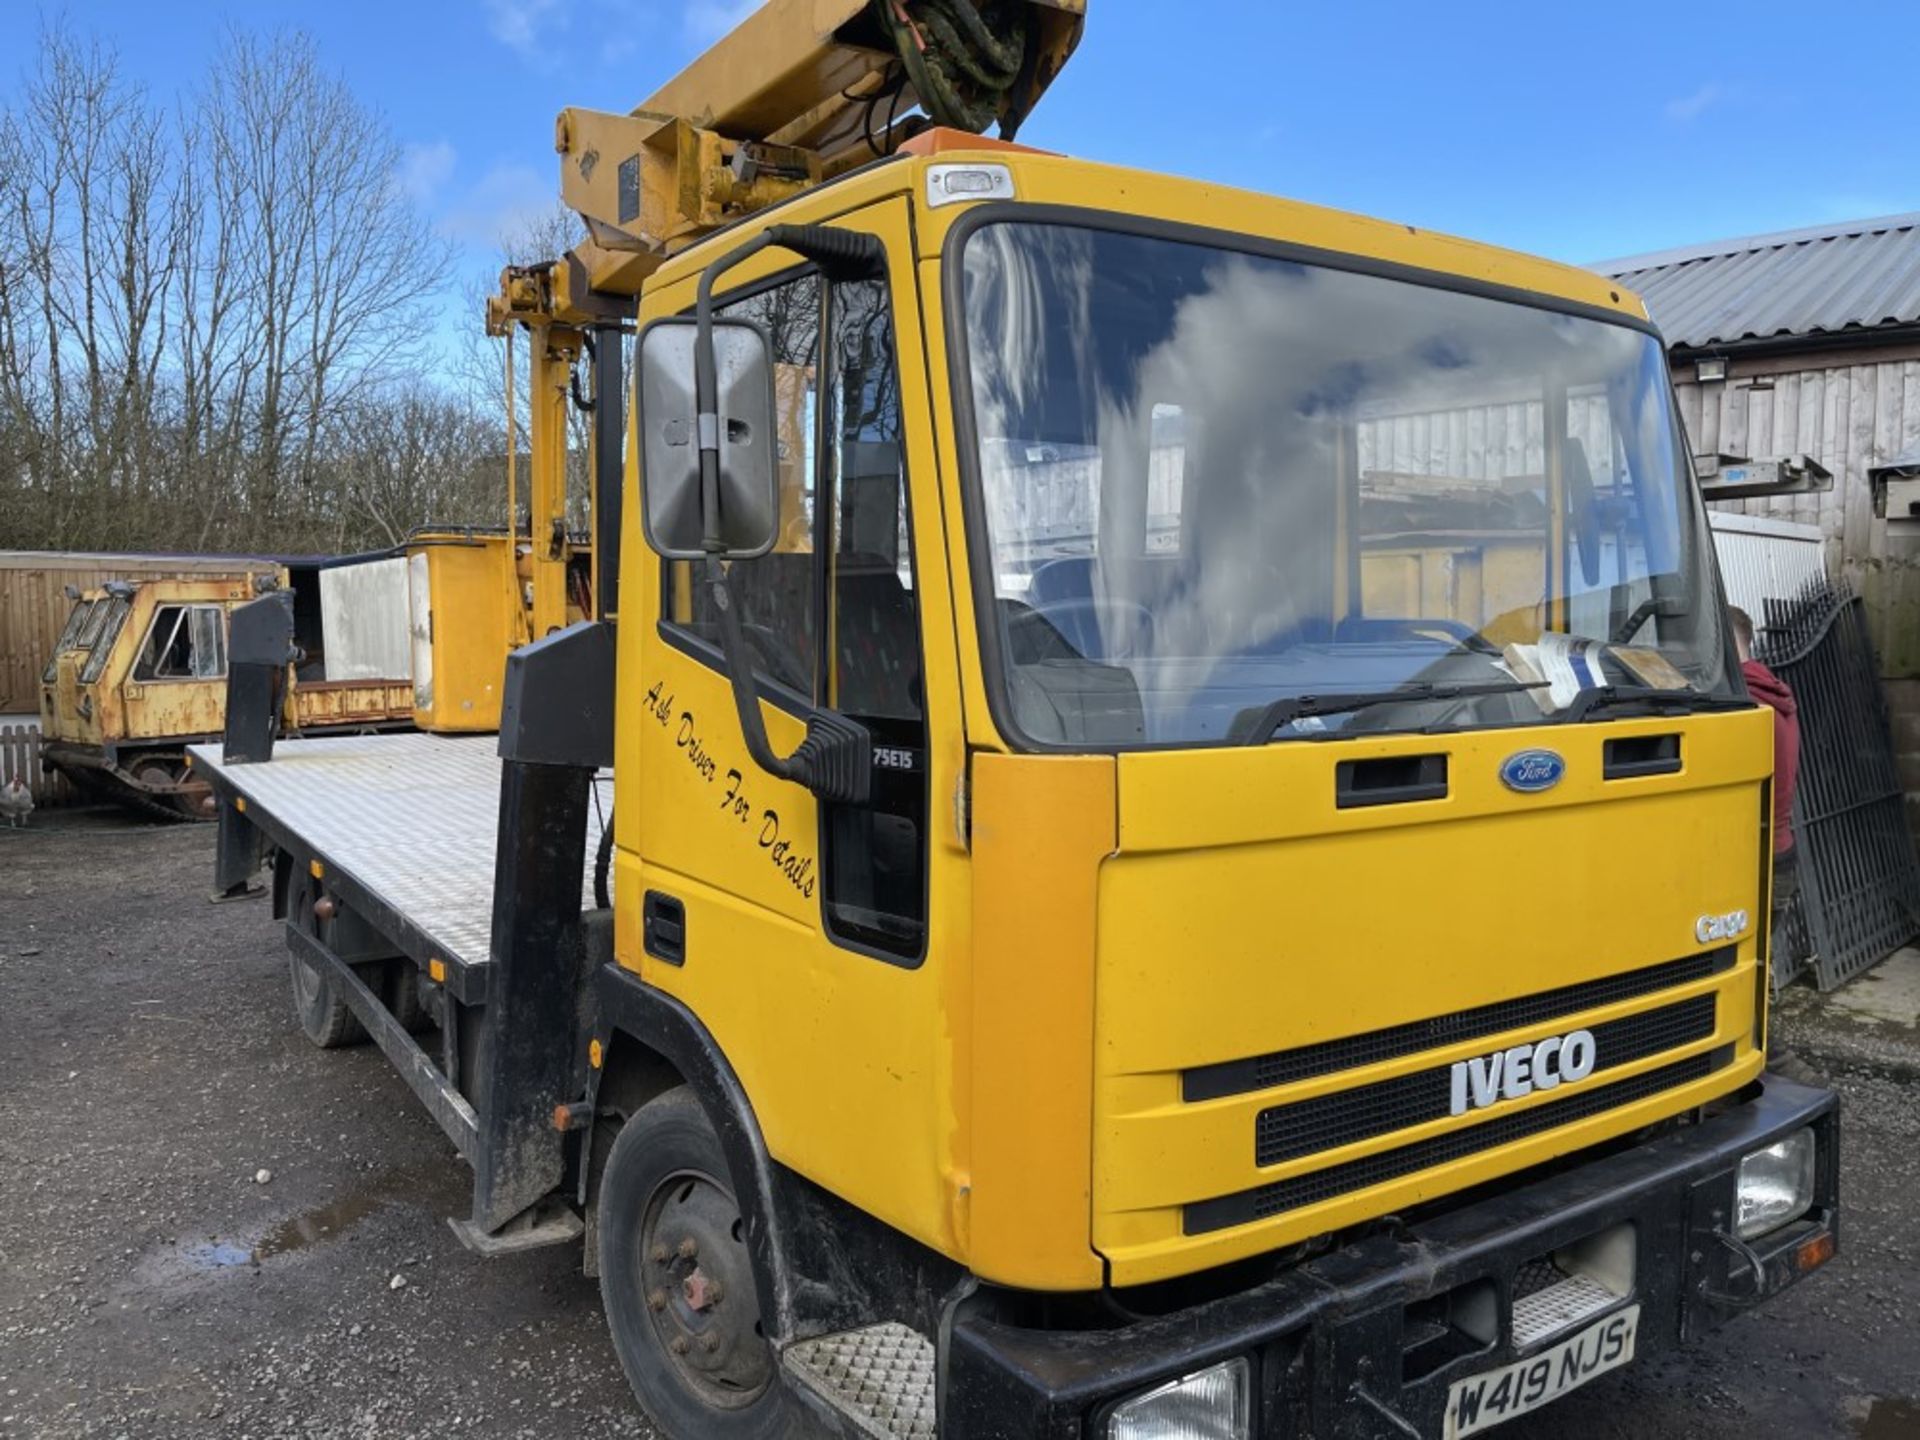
x: 666, y: 1186
x: 403, y: 995
x: 323, y: 1015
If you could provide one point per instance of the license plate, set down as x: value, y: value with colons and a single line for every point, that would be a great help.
x: 1482, y: 1401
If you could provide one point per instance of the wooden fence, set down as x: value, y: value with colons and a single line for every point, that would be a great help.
x: 20, y: 755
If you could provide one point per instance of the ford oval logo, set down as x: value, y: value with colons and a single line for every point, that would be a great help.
x: 1530, y: 771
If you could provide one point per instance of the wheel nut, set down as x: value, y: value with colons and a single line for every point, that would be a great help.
x: 656, y: 1299
x: 689, y: 1248
x: 710, y: 1342
x: 680, y: 1346
x: 659, y: 1256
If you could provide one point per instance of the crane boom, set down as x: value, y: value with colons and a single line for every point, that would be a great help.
x: 799, y: 92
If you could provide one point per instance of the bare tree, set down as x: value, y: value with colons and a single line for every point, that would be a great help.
x: 216, y: 315
x: 200, y: 304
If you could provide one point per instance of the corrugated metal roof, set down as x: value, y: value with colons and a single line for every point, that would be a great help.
x: 1862, y: 275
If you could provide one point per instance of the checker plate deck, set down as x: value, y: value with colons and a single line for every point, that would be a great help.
x: 411, y: 817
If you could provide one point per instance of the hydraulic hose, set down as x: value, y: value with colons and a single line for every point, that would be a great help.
x: 963, y: 66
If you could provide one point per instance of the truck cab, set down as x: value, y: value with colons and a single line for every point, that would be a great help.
x: 1310, y: 781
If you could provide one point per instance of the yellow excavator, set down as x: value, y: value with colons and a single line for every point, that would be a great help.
x: 1157, y: 833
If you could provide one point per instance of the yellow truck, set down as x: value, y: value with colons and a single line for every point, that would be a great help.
x: 139, y: 673
x: 1166, y: 840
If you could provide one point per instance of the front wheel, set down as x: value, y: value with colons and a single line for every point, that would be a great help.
x: 678, y: 1284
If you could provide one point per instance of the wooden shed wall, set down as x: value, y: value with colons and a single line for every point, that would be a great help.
x: 1850, y: 411
x: 33, y: 605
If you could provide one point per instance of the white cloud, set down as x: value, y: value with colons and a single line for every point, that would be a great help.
x: 425, y: 169
x: 707, y: 20
x: 1691, y: 107
x: 518, y: 24
x: 505, y: 201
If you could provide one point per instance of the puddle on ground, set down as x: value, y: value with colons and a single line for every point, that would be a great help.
x: 323, y: 1222
x: 188, y: 1261
x: 1889, y: 1420
x: 215, y: 1255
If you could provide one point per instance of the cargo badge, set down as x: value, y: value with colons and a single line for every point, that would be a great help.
x: 1529, y: 771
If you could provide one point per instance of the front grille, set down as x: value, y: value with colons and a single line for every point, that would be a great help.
x: 1284, y: 1067
x: 1265, y: 1201
x: 1287, y: 1132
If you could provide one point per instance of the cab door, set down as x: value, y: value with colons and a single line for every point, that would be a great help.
x: 815, y: 941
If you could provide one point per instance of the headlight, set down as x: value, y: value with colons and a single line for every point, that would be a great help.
x: 1210, y: 1404
x: 1775, y: 1185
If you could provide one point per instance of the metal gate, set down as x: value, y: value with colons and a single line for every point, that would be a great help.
x: 1859, y: 879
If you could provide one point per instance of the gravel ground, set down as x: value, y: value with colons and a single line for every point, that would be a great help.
x: 152, y: 1284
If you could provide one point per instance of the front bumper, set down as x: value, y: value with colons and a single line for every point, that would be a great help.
x: 1342, y: 1346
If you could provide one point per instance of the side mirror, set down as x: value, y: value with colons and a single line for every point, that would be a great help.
x: 711, y: 487
x: 739, y: 519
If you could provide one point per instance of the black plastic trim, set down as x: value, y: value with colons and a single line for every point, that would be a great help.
x: 1628, y: 757
x: 665, y: 926
x: 1285, y: 1067
x: 781, y: 696
x: 1389, y: 780
x: 1345, y: 1117
x: 1265, y: 1201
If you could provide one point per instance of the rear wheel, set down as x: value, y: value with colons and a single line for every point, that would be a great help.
x: 403, y: 995
x: 323, y: 1015
x: 678, y: 1285
x: 317, y: 1003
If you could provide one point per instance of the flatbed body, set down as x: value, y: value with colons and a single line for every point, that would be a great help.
x: 404, y: 824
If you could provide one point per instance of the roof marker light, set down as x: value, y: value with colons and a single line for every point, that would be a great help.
x: 953, y: 184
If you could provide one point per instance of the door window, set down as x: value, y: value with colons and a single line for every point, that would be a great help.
x: 185, y: 642
x: 832, y: 612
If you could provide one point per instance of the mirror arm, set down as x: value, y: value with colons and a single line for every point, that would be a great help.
x: 834, y: 761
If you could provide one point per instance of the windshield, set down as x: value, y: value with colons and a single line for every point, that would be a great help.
x: 1211, y: 481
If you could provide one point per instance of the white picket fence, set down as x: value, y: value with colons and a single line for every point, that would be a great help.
x: 20, y: 755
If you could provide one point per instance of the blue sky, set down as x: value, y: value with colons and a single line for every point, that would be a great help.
x: 1579, y: 132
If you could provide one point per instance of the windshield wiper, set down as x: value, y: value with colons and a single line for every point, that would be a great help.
x: 1260, y: 730
x: 1605, y: 697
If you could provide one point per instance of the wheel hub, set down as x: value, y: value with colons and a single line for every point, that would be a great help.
x: 698, y: 1280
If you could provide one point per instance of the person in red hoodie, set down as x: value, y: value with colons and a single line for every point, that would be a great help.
x: 1769, y: 689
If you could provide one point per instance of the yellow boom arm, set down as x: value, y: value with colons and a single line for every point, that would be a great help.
x: 798, y: 92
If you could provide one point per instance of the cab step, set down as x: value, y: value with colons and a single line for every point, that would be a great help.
x: 546, y: 1222
x: 878, y: 1382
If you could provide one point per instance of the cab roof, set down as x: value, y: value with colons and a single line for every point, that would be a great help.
x: 1041, y: 178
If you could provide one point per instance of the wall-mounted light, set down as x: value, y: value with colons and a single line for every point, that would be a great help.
x: 1709, y: 370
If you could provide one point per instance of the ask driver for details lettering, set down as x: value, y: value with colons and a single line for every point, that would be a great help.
x: 763, y: 823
